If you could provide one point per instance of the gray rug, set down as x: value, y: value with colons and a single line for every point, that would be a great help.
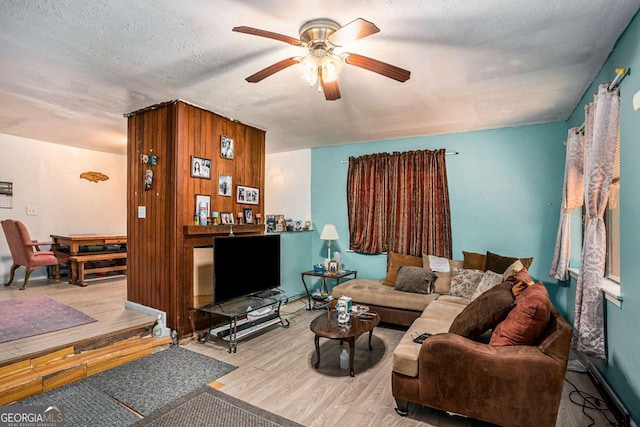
x: 83, y: 405
x: 148, y: 384
x: 209, y: 407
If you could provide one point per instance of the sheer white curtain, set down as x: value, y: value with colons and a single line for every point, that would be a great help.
x: 572, y: 197
x: 601, y: 136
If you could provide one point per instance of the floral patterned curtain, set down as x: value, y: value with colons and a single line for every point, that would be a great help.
x: 399, y: 202
x: 572, y: 197
x: 601, y: 135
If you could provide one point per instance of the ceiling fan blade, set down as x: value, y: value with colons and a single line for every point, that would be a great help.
x: 268, y: 34
x: 272, y: 69
x: 379, y: 67
x: 330, y: 89
x: 354, y: 30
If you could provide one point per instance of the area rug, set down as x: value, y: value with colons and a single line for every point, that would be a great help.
x: 206, y: 406
x: 83, y: 405
x: 31, y: 316
x: 147, y: 384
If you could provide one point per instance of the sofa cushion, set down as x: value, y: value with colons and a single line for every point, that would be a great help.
x: 474, y: 261
x: 485, y: 312
x: 521, y: 281
x: 443, y: 279
x: 395, y: 262
x: 499, y: 263
x: 369, y: 291
x: 488, y: 281
x: 415, y: 279
x: 464, y: 282
x: 435, y: 319
x: 528, y: 319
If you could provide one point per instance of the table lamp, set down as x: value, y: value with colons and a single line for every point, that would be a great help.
x: 329, y: 233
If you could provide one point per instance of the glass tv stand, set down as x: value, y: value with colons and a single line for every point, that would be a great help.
x: 247, y: 315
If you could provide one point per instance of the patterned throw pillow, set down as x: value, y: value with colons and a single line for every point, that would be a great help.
x: 464, y: 282
x: 489, y: 280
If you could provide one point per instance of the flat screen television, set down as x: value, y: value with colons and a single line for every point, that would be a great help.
x: 245, y: 265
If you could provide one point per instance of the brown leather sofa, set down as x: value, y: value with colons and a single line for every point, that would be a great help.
x: 506, y: 385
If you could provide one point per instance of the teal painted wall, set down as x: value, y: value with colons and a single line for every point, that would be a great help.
x: 623, y: 339
x: 295, y: 249
x: 505, y: 189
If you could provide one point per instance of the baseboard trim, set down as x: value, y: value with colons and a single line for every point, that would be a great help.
x: 146, y: 310
x: 615, y: 405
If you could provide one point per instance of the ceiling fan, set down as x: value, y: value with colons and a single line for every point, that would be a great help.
x: 322, y: 64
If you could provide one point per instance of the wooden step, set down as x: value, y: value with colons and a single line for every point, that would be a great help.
x: 63, y: 366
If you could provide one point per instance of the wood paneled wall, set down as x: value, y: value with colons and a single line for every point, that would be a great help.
x: 160, y: 246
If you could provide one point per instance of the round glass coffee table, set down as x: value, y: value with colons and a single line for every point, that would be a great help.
x: 326, y: 326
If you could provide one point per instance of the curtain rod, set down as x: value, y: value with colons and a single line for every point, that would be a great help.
x: 448, y: 153
x: 621, y: 73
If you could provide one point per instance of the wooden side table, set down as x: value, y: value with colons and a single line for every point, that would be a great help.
x: 325, y: 276
x: 327, y: 326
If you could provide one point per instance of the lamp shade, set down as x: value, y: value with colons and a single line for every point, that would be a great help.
x: 636, y: 101
x: 329, y: 232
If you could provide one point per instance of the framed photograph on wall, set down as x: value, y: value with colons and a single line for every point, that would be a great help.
x: 224, y: 185
x: 248, y: 195
x: 226, y: 217
x: 248, y: 215
x: 226, y: 147
x: 200, y: 167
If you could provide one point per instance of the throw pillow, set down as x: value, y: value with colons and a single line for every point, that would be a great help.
x: 485, y: 312
x: 513, y: 269
x: 474, y: 261
x: 443, y: 279
x: 488, y: 281
x: 521, y: 281
x: 395, y: 262
x: 464, y: 282
x: 499, y: 263
x: 528, y: 319
x: 415, y: 279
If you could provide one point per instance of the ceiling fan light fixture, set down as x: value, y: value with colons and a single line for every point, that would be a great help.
x: 331, y: 66
x: 309, y: 69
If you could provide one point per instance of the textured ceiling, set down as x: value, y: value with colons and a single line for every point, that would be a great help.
x: 71, y: 69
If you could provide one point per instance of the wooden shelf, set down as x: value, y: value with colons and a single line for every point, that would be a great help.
x: 193, y: 230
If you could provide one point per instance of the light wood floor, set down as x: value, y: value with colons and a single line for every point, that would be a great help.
x: 275, y: 369
x: 103, y: 300
x: 275, y: 372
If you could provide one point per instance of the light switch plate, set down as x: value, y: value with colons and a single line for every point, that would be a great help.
x: 142, y: 211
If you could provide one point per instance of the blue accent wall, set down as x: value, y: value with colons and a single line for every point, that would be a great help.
x: 505, y: 188
x: 505, y: 191
x: 621, y: 369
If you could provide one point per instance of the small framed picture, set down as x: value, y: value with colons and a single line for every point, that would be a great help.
x: 297, y: 225
x: 226, y: 217
x: 333, y: 267
x: 200, y: 167
x: 203, y: 202
x: 248, y: 215
x: 226, y: 147
x: 224, y: 185
x: 248, y: 195
x: 307, y: 225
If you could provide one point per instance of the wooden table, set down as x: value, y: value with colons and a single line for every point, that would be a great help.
x: 326, y: 325
x: 75, y: 241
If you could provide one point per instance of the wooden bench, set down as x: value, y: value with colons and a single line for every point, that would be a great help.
x: 78, y: 269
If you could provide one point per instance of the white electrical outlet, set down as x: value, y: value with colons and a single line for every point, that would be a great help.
x: 32, y: 211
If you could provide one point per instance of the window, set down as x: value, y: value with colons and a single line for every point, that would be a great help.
x: 612, y: 222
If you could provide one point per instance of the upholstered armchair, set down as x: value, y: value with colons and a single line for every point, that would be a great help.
x: 26, y: 252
